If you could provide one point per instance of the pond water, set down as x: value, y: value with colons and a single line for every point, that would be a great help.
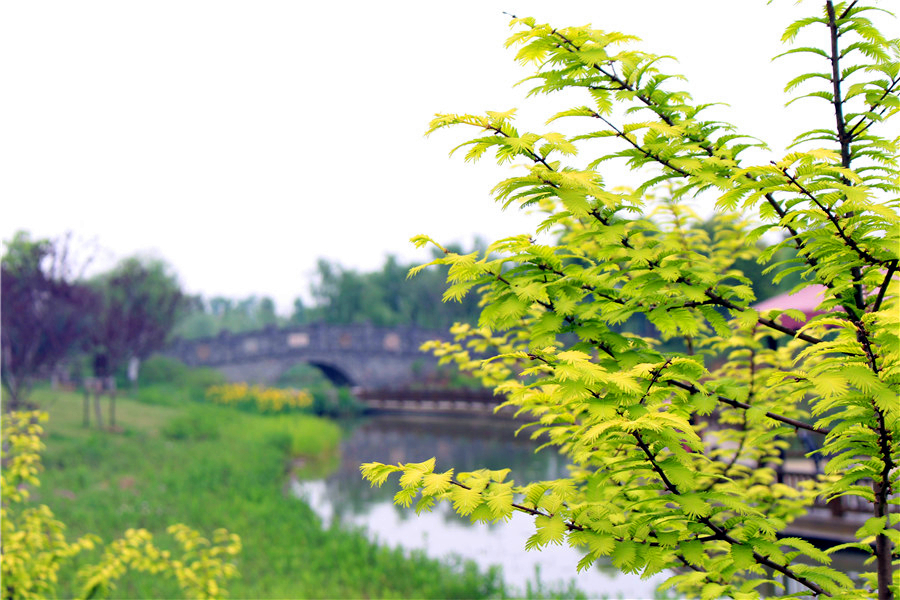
x: 465, y: 445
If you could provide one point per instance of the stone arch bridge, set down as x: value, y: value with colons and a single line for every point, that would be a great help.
x: 360, y: 355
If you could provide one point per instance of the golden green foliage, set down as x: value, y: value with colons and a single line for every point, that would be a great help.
x: 264, y: 399
x: 201, y: 569
x: 673, y: 451
x: 34, y: 542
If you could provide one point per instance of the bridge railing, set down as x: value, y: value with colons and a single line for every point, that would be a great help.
x: 317, y: 337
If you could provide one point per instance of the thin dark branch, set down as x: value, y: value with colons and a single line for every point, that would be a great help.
x: 847, y: 10
x: 766, y: 562
x: 689, y: 387
x: 852, y: 134
x: 714, y: 299
x: 724, y: 302
x: 525, y: 509
x: 881, y: 486
x: 892, y: 268
x: 641, y: 149
x: 795, y: 235
x: 571, y: 526
x: 567, y: 318
x: 720, y: 532
x: 834, y: 220
x: 657, y: 373
x: 532, y: 155
x: 584, y: 286
x: 660, y: 110
x: 704, y: 144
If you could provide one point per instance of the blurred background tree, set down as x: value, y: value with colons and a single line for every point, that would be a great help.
x: 45, y: 312
x: 140, y: 300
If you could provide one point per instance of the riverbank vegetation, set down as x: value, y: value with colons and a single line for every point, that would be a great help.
x: 210, y: 466
x: 36, y: 545
x: 175, y: 457
x: 302, y: 388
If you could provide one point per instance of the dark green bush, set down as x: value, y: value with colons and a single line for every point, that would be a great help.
x: 161, y: 369
x: 191, y: 425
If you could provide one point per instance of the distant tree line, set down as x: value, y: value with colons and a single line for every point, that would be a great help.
x: 209, y: 317
x: 389, y: 297
x: 386, y: 297
x: 97, y: 326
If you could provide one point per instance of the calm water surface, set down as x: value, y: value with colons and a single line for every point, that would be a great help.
x: 465, y: 445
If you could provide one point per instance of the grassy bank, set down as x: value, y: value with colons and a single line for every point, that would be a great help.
x: 173, y: 460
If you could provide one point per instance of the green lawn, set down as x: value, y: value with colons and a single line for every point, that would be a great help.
x: 173, y: 460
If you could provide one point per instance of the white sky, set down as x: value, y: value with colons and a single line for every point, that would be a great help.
x: 240, y: 141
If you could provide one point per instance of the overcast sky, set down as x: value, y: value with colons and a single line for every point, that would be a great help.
x: 241, y: 141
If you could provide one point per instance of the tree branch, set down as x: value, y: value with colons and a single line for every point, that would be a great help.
x: 725, y: 303
x: 522, y: 508
x: 837, y: 100
x: 720, y: 532
x: 689, y: 387
x: 640, y: 148
x: 892, y: 268
x: 852, y: 134
x: 703, y: 143
x: 834, y: 221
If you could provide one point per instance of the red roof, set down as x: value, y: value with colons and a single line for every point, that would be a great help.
x: 806, y: 300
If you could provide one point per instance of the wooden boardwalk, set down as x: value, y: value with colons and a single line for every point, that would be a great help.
x: 438, y: 401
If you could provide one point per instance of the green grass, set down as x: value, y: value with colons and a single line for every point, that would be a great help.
x: 172, y: 460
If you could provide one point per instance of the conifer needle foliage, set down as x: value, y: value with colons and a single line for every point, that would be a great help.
x: 673, y: 452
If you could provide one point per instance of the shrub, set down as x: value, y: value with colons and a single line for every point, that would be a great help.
x: 161, y: 369
x: 260, y: 398
x: 191, y: 425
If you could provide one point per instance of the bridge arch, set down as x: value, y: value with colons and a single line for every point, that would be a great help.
x: 334, y: 374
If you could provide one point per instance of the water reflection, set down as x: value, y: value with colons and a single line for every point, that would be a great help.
x: 464, y: 445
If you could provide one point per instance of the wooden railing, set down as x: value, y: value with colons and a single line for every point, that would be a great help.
x: 430, y: 400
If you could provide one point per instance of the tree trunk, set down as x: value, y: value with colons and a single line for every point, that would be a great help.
x: 885, y: 568
x: 97, y: 411
x: 86, y: 416
x: 884, y: 549
x: 16, y: 391
x: 112, y: 407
